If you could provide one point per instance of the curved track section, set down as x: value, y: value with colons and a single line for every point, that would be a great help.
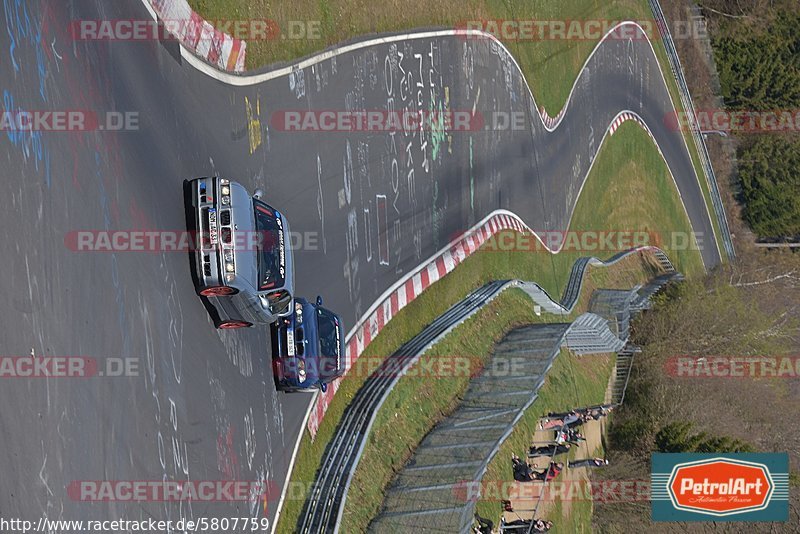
x: 324, y: 506
x: 366, y: 208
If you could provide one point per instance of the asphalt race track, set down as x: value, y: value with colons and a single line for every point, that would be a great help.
x: 369, y: 207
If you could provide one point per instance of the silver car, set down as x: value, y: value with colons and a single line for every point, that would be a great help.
x: 242, y: 258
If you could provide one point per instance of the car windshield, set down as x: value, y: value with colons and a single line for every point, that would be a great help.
x: 271, y: 247
x: 329, y: 335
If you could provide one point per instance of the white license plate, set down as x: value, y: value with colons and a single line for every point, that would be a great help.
x: 212, y: 227
x: 290, y: 342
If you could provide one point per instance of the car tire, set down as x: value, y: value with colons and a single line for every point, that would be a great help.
x: 217, y: 291
x: 232, y: 324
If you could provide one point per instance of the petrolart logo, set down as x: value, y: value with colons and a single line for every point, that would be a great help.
x: 720, y: 487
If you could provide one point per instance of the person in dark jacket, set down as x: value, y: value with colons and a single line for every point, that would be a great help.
x: 573, y: 436
x: 595, y: 412
x: 589, y: 462
x: 552, y: 471
x: 536, y: 525
x: 483, y: 526
x: 522, y: 470
x: 569, y: 436
x: 549, y: 450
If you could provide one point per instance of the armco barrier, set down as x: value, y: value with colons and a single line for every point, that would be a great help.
x: 688, y: 106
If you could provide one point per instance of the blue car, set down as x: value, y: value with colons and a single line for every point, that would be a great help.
x: 307, y: 347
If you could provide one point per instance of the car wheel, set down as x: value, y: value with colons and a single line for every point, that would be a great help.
x: 227, y: 325
x: 217, y: 291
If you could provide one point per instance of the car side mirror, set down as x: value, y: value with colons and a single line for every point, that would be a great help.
x: 319, y: 300
x: 323, y: 387
x: 258, y: 193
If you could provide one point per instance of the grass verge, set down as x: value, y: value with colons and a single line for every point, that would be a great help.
x: 658, y: 209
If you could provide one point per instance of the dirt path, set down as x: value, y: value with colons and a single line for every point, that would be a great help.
x: 570, y: 484
x: 538, y: 498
